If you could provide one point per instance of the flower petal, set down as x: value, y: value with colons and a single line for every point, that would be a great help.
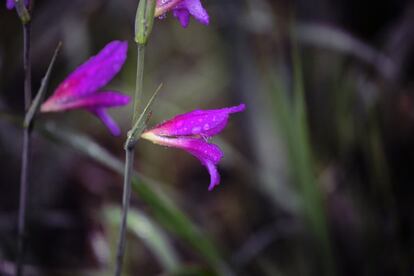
x: 199, y: 122
x: 205, y: 152
x: 101, y: 99
x: 208, y: 154
x: 10, y: 4
x: 163, y: 6
x: 182, y: 10
x: 195, y: 8
x: 94, y: 73
x: 214, y: 175
x: 102, y: 114
x: 183, y: 16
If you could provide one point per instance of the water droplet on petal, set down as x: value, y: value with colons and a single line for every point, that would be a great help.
x: 196, y: 130
x: 206, y: 127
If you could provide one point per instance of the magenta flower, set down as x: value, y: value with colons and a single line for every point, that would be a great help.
x: 80, y: 89
x: 190, y: 132
x: 182, y: 9
x: 10, y: 4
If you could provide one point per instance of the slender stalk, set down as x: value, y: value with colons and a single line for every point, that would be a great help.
x: 27, y: 64
x: 25, y: 167
x: 129, y: 161
x: 139, y: 82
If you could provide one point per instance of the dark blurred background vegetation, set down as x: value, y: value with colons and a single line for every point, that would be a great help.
x: 317, y: 175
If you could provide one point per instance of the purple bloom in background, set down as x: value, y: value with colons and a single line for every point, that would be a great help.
x: 182, y: 9
x: 10, y: 4
x: 190, y: 132
x: 81, y: 88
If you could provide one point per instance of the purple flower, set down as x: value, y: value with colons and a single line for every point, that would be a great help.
x: 182, y: 9
x: 80, y: 88
x: 10, y: 4
x: 190, y: 132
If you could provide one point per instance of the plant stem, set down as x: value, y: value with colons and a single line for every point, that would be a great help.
x: 139, y: 82
x: 129, y: 160
x: 25, y: 152
x: 27, y: 64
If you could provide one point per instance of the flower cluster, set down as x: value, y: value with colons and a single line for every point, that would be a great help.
x: 190, y: 132
x: 81, y: 89
x: 182, y: 9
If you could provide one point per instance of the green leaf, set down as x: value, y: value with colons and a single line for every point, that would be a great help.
x: 149, y: 233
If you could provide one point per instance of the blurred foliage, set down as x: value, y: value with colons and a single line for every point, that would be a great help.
x: 317, y: 174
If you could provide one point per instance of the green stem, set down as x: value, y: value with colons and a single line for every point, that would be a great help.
x: 24, y: 176
x: 129, y: 161
x: 139, y: 82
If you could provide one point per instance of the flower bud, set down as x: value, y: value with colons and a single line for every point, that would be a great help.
x: 144, y: 20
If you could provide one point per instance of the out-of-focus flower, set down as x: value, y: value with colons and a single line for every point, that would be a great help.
x: 10, y: 4
x: 81, y: 88
x: 182, y: 9
x: 190, y: 132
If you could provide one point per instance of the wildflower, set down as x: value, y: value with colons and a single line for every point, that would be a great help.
x: 80, y: 88
x: 10, y: 4
x: 182, y: 9
x: 190, y: 132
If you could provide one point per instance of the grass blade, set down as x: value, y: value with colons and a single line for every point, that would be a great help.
x: 34, y: 107
x: 151, y: 235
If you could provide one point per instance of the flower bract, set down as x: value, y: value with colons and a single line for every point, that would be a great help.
x: 81, y: 89
x: 190, y: 132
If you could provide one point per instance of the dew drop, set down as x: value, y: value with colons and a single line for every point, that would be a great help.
x: 196, y: 130
x: 206, y: 127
